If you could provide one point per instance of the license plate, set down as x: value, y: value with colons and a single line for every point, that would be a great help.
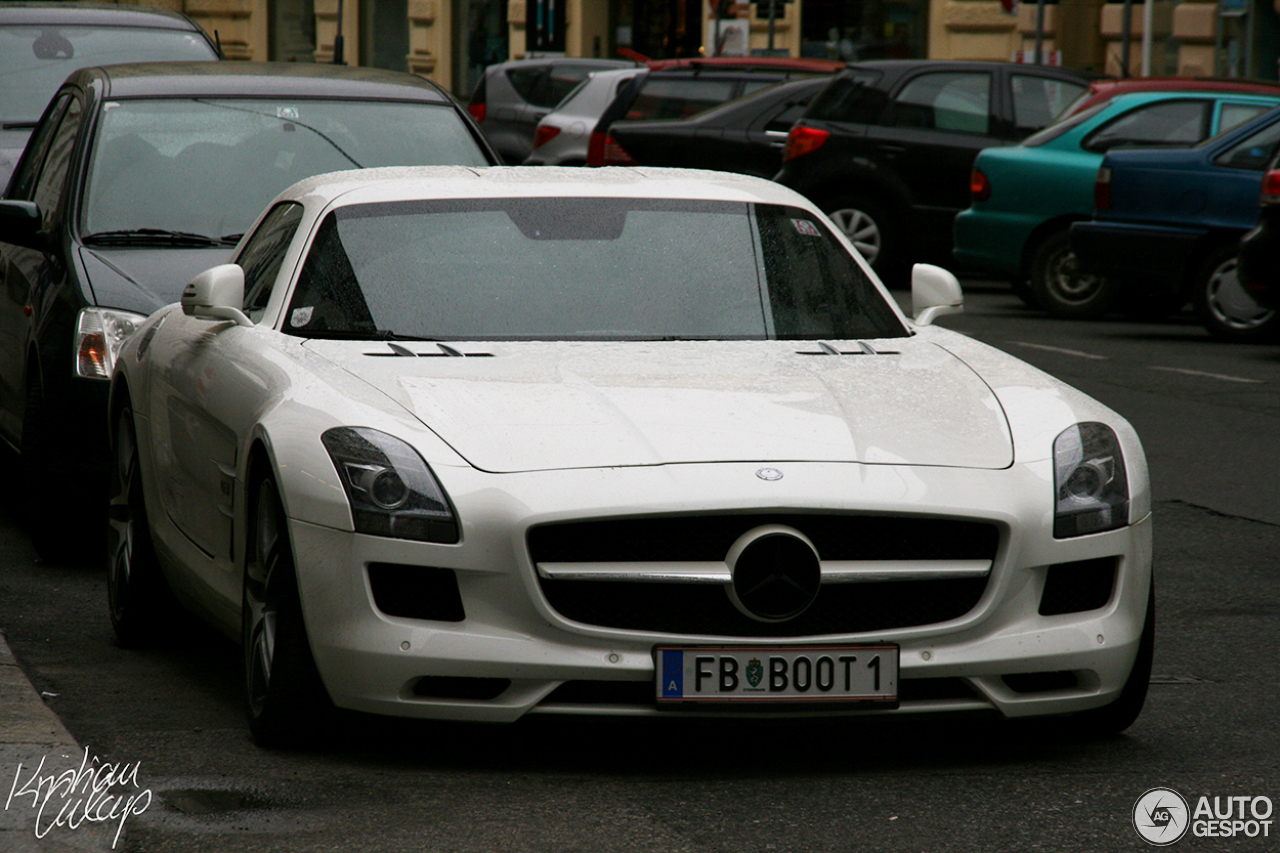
x: 864, y: 673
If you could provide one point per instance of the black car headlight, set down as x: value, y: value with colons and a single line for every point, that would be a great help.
x: 1091, y: 491
x: 99, y: 334
x: 391, y: 489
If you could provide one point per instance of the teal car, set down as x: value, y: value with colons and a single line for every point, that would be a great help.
x: 1025, y: 197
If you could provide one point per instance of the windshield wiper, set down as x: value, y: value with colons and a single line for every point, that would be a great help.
x: 19, y: 125
x: 152, y: 236
x: 358, y: 335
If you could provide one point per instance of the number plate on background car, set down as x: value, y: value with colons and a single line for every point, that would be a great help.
x: 867, y: 673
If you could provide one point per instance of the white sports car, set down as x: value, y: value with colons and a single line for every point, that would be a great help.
x: 469, y: 444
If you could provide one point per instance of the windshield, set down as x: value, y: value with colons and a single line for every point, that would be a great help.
x: 34, y: 60
x: 209, y: 167
x: 583, y: 269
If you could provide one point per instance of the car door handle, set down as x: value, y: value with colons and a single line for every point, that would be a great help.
x: 892, y: 149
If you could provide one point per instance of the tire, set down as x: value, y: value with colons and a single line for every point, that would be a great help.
x: 1021, y: 288
x: 1224, y: 307
x: 871, y: 229
x: 1061, y: 289
x: 136, y: 591
x: 285, y: 699
x: 1124, y: 710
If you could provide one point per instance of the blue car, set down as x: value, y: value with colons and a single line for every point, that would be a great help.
x: 1026, y: 196
x: 1170, y: 222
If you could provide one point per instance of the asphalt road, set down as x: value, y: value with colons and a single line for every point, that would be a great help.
x: 1209, y: 415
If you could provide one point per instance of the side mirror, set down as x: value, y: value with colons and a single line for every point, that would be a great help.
x: 20, y: 223
x: 217, y: 294
x: 934, y: 292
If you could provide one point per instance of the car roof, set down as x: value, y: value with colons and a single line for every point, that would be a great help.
x: 1151, y: 95
x: 258, y: 79
x: 460, y: 182
x: 1102, y: 90
x: 93, y: 14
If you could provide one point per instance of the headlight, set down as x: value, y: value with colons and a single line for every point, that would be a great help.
x: 391, y: 490
x: 1090, y: 487
x: 99, y: 334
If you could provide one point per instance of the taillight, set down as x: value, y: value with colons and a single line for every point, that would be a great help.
x: 615, y: 154
x: 543, y: 134
x: 803, y: 140
x: 979, y: 186
x: 1102, y: 189
x: 477, y: 111
x: 595, y: 149
x: 1271, y: 187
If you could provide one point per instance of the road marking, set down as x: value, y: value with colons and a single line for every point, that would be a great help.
x: 1222, y: 376
x: 1077, y: 353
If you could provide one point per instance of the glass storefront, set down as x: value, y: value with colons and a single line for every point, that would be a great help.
x: 872, y: 29
x: 480, y: 39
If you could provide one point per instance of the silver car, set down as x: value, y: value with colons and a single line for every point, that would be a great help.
x: 561, y: 137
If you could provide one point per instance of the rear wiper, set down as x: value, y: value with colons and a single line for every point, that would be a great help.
x: 135, y: 236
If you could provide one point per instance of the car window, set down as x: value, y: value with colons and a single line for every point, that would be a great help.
x: 525, y: 80
x: 264, y: 253
x: 584, y: 268
x: 53, y: 174
x: 788, y: 116
x: 222, y: 161
x: 24, y: 177
x: 679, y: 97
x: 851, y: 97
x: 1254, y: 151
x: 945, y: 100
x: 1060, y: 127
x: 34, y: 60
x: 1164, y: 122
x: 1036, y: 100
x: 557, y: 83
x: 1233, y: 115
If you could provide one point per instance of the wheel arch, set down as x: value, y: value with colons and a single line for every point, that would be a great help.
x: 1041, y: 232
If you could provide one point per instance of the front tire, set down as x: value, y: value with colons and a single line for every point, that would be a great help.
x: 1060, y: 288
x: 136, y: 590
x: 1224, y: 307
x: 285, y: 698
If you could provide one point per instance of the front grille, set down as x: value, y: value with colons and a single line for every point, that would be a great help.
x: 705, y: 609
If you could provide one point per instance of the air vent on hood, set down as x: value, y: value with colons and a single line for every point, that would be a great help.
x: 400, y: 351
x: 864, y: 348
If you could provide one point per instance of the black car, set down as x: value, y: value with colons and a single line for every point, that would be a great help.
x: 512, y: 97
x: 888, y: 147
x: 42, y: 43
x: 140, y: 176
x: 1258, y: 265
x: 679, y: 89
x: 746, y: 135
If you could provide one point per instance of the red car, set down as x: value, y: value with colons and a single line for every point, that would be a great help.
x: 1107, y: 88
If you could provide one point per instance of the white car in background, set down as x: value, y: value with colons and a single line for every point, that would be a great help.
x: 562, y: 136
x: 475, y: 443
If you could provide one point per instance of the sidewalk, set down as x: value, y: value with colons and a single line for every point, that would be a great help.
x: 29, y: 732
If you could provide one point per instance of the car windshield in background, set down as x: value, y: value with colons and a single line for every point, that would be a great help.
x: 207, y: 168
x: 583, y: 269
x: 34, y: 60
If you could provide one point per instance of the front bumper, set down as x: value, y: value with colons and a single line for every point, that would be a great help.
x: 512, y: 654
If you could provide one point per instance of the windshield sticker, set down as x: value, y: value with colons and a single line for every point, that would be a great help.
x: 287, y: 113
x: 301, y: 316
x: 804, y: 226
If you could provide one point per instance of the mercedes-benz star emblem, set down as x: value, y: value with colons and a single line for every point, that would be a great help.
x: 769, y: 474
x: 775, y: 573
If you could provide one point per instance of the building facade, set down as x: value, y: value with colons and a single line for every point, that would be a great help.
x: 451, y: 41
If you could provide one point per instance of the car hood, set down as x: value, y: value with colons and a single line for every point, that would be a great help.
x: 143, y: 279
x: 543, y: 406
